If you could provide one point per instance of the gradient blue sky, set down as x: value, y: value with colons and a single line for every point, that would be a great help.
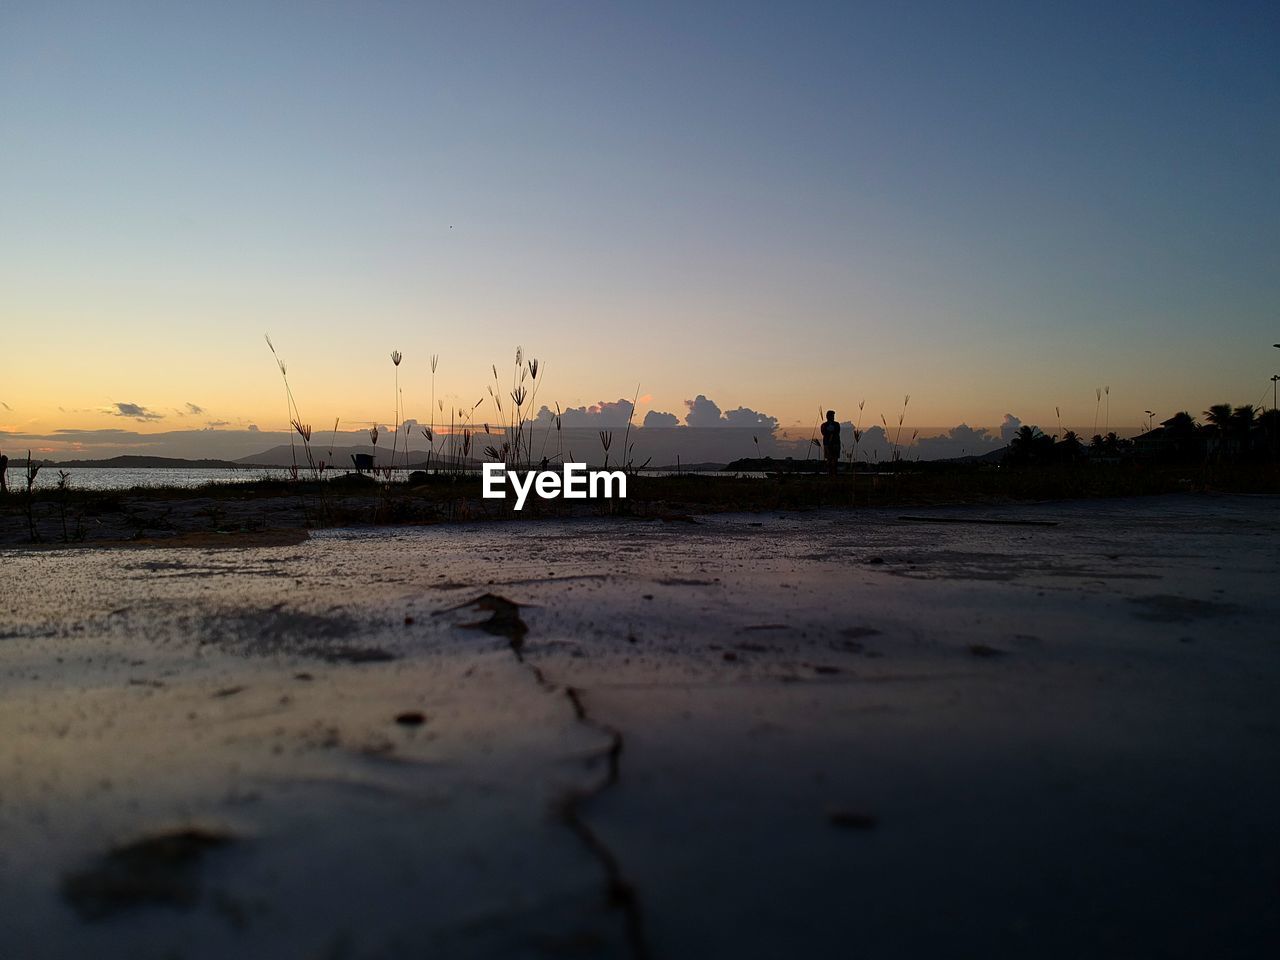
x: 993, y: 207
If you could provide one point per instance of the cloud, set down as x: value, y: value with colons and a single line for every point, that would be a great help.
x: 606, y: 413
x: 1009, y: 427
x: 110, y: 439
x: 194, y: 409
x: 706, y: 413
x: 135, y: 412
x: 106, y: 433
x: 746, y: 417
x: 702, y: 412
x: 656, y: 418
x: 215, y: 424
x: 5, y: 405
x: 875, y: 441
x: 109, y: 442
x: 960, y: 441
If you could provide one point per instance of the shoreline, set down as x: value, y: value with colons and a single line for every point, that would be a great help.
x: 257, y: 508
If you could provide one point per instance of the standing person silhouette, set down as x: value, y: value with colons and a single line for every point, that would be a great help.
x: 831, y: 442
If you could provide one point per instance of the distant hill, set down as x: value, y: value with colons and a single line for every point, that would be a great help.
x: 704, y: 467
x: 995, y: 456
x: 136, y: 462
x: 283, y: 456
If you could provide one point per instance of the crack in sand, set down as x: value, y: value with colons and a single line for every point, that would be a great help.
x: 622, y: 894
x: 505, y: 621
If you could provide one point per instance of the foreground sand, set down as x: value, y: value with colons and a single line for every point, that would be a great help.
x: 828, y: 734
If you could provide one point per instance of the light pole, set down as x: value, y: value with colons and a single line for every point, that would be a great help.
x: 1273, y: 383
x: 1151, y: 420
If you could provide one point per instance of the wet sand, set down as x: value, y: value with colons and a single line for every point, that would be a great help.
x: 820, y: 734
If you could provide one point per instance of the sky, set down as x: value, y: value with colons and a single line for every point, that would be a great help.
x: 992, y: 207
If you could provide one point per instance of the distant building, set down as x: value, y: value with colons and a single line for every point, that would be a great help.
x: 1176, y: 439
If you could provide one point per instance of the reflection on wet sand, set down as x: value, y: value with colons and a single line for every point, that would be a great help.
x: 751, y: 736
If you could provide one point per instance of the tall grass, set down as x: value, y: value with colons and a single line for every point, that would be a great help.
x: 430, y: 432
x: 33, y: 469
x: 302, y: 430
x: 628, y: 462
x: 291, y: 409
x: 396, y: 357
x: 813, y: 437
x: 897, y: 438
x: 64, y: 487
x: 333, y: 439
x: 853, y: 456
x: 517, y: 426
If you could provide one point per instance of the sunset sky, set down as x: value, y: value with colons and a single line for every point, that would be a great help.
x: 994, y: 207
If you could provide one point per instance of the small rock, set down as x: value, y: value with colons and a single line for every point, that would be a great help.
x: 411, y: 718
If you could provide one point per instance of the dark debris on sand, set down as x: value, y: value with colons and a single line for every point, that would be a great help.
x: 156, y: 870
x: 280, y: 629
x: 851, y: 820
x: 986, y: 652
x: 504, y: 619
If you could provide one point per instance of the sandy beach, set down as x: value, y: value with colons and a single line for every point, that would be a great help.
x: 978, y: 731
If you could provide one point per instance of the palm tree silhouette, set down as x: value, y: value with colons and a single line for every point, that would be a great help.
x: 1030, y: 444
x: 1071, y: 448
x: 1219, y: 418
x: 1242, y: 422
x: 1181, y: 429
x: 1218, y: 426
x: 1181, y: 425
x: 1242, y: 419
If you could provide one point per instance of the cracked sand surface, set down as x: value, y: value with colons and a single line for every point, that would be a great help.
x: 841, y: 733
